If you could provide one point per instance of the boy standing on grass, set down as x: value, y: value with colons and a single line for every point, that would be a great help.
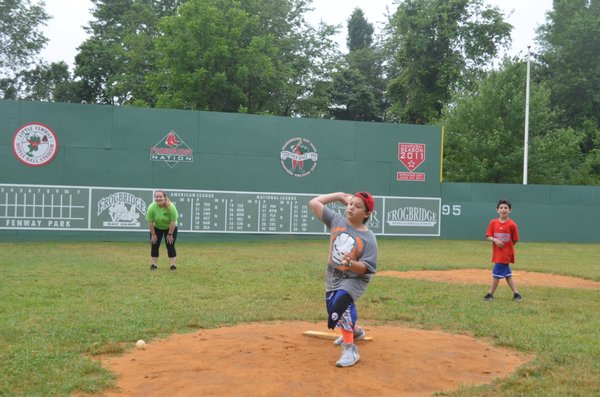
x: 504, y: 234
x: 351, y: 263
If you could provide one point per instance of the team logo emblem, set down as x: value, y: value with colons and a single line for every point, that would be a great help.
x: 123, y: 208
x: 299, y: 157
x: 411, y: 155
x: 35, y: 144
x: 171, y: 149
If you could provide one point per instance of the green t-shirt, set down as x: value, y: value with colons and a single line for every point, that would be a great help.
x: 161, y: 217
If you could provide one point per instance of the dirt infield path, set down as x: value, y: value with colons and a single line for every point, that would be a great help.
x: 276, y: 360
x: 482, y: 276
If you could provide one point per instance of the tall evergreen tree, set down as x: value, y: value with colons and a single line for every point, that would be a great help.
x: 357, y: 90
x: 360, y: 31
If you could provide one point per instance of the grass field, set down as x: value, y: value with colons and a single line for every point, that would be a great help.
x: 61, y: 302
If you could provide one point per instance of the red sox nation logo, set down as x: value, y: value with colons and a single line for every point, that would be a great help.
x: 171, y: 150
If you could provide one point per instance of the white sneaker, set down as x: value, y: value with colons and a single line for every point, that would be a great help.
x: 359, y: 334
x: 349, y: 355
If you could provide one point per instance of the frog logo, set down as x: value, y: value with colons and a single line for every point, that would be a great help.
x: 35, y: 144
x: 123, y: 208
x: 299, y: 157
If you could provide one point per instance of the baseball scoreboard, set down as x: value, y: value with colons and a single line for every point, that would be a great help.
x: 85, y: 208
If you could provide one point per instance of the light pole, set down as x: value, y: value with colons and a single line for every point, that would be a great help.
x: 526, y: 145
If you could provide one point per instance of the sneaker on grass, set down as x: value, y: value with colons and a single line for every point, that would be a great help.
x: 517, y: 297
x: 488, y: 297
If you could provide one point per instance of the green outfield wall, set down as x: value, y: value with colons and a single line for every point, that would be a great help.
x: 78, y: 171
x: 129, y: 147
x: 542, y: 212
x: 72, y: 171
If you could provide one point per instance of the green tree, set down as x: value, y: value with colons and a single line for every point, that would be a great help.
x: 589, y: 172
x: 255, y: 56
x: 45, y: 83
x: 437, y: 47
x: 571, y: 52
x: 357, y: 90
x: 485, y: 133
x: 113, y: 63
x: 20, y: 39
x: 555, y: 158
x: 360, y: 31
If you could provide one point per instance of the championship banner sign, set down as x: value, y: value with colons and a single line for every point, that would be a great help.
x: 412, y: 155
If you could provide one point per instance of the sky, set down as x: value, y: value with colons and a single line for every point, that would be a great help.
x: 65, y: 29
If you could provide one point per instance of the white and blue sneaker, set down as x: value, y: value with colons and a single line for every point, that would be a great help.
x: 359, y: 334
x: 349, y: 355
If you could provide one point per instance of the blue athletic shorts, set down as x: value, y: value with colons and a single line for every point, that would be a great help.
x: 340, y: 307
x: 501, y: 270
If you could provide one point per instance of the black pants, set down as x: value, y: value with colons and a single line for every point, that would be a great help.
x: 159, y: 236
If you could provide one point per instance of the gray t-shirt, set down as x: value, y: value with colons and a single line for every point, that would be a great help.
x: 345, y: 238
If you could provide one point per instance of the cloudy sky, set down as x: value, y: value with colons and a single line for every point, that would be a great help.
x: 65, y: 29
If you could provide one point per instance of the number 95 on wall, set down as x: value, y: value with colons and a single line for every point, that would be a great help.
x: 453, y: 209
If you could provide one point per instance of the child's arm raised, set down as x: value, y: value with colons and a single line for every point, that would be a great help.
x: 318, y: 203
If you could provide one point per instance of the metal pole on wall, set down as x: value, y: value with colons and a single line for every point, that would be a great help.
x: 526, y: 144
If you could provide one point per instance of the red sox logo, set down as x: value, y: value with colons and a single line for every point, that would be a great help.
x: 171, y: 150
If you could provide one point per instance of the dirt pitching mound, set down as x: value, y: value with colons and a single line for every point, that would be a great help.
x: 481, y: 276
x: 275, y: 359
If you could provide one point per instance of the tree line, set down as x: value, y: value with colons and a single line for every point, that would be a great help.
x: 432, y: 63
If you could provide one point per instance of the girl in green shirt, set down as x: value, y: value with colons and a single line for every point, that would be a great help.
x: 162, y: 221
